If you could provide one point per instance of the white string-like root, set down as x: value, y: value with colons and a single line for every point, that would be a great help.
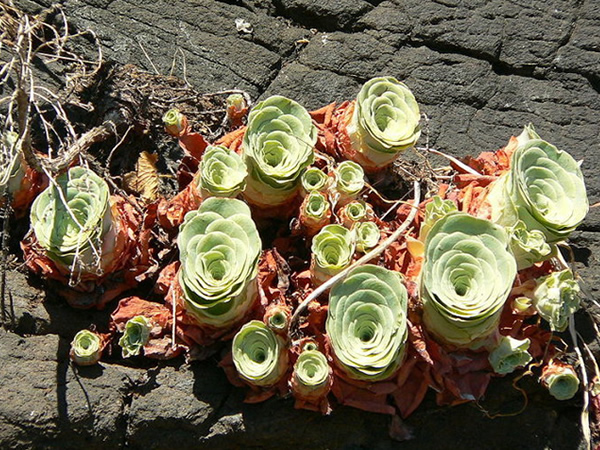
x: 366, y: 258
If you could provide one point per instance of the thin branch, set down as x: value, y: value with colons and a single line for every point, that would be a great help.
x: 459, y: 163
x: 366, y: 258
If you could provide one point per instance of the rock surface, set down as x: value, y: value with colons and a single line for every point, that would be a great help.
x: 480, y: 70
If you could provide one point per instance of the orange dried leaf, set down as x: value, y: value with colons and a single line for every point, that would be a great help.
x: 144, y: 179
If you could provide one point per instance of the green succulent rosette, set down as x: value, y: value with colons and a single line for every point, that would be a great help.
x: 12, y: 169
x: 367, y: 236
x: 354, y: 212
x: 434, y: 211
x: 278, y: 147
x: 219, y: 250
x: 467, y: 275
x: 86, y: 348
x: 79, y: 231
x: 349, y: 180
x: 528, y: 246
x: 509, y: 355
x: 259, y: 355
x: 312, y: 375
x: 222, y: 173
x: 315, y: 212
x: 385, y: 122
x: 332, y: 251
x: 560, y: 380
x: 367, y: 323
x: 544, y: 188
x: 135, y: 336
x: 314, y: 179
x: 556, y: 298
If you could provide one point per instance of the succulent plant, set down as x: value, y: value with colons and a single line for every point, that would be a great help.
x: 560, y: 380
x: 175, y: 122
x: 528, y: 246
x: 278, y: 147
x: 467, y: 275
x: 222, y: 173
x: 367, y: 323
x: 314, y: 179
x: 509, y: 354
x: 367, y: 236
x: 385, y: 122
x: 349, y: 180
x: 544, y: 188
x: 556, y: 298
x: 73, y: 222
x: 312, y: 375
x: 332, y: 251
x: 259, y: 355
x: 86, y: 348
x: 355, y: 211
x: 12, y: 170
x: 135, y: 336
x: 434, y: 211
x: 219, y: 249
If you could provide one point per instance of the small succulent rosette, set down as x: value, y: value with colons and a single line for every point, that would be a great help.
x: 315, y: 213
x: 89, y: 241
x: 332, y: 251
x: 87, y: 347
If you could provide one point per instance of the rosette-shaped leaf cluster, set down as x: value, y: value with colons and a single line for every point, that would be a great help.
x: 349, y: 181
x: 556, y: 298
x: 367, y: 323
x: 467, y: 275
x: 434, y: 211
x: 12, y: 170
x: 544, y: 188
x: 385, y: 122
x: 135, y: 335
x: 278, y: 147
x: 259, y: 355
x: 222, y: 173
x: 332, y: 251
x: 355, y: 211
x: 510, y: 354
x: 73, y: 222
x: 311, y: 379
x: 528, y: 246
x: 314, y: 179
x: 560, y: 379
x: 367, y: 236
x: 86, y: 348
x: 315, y: 212
x: 219, y: 249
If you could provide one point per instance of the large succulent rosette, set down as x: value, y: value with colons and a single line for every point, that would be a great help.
x: 385, y: 121
x: 544, y: 188
x: 219, y: 249
x: 277, y: 147
x: 467, y: 275
x: 367, y: 323
x: 73, y: 222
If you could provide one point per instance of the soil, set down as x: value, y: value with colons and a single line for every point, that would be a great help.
x: 480, y: 70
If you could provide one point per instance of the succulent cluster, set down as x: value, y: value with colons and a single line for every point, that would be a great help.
x: 288, y: 255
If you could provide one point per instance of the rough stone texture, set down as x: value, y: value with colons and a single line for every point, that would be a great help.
x: 480, y: 69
